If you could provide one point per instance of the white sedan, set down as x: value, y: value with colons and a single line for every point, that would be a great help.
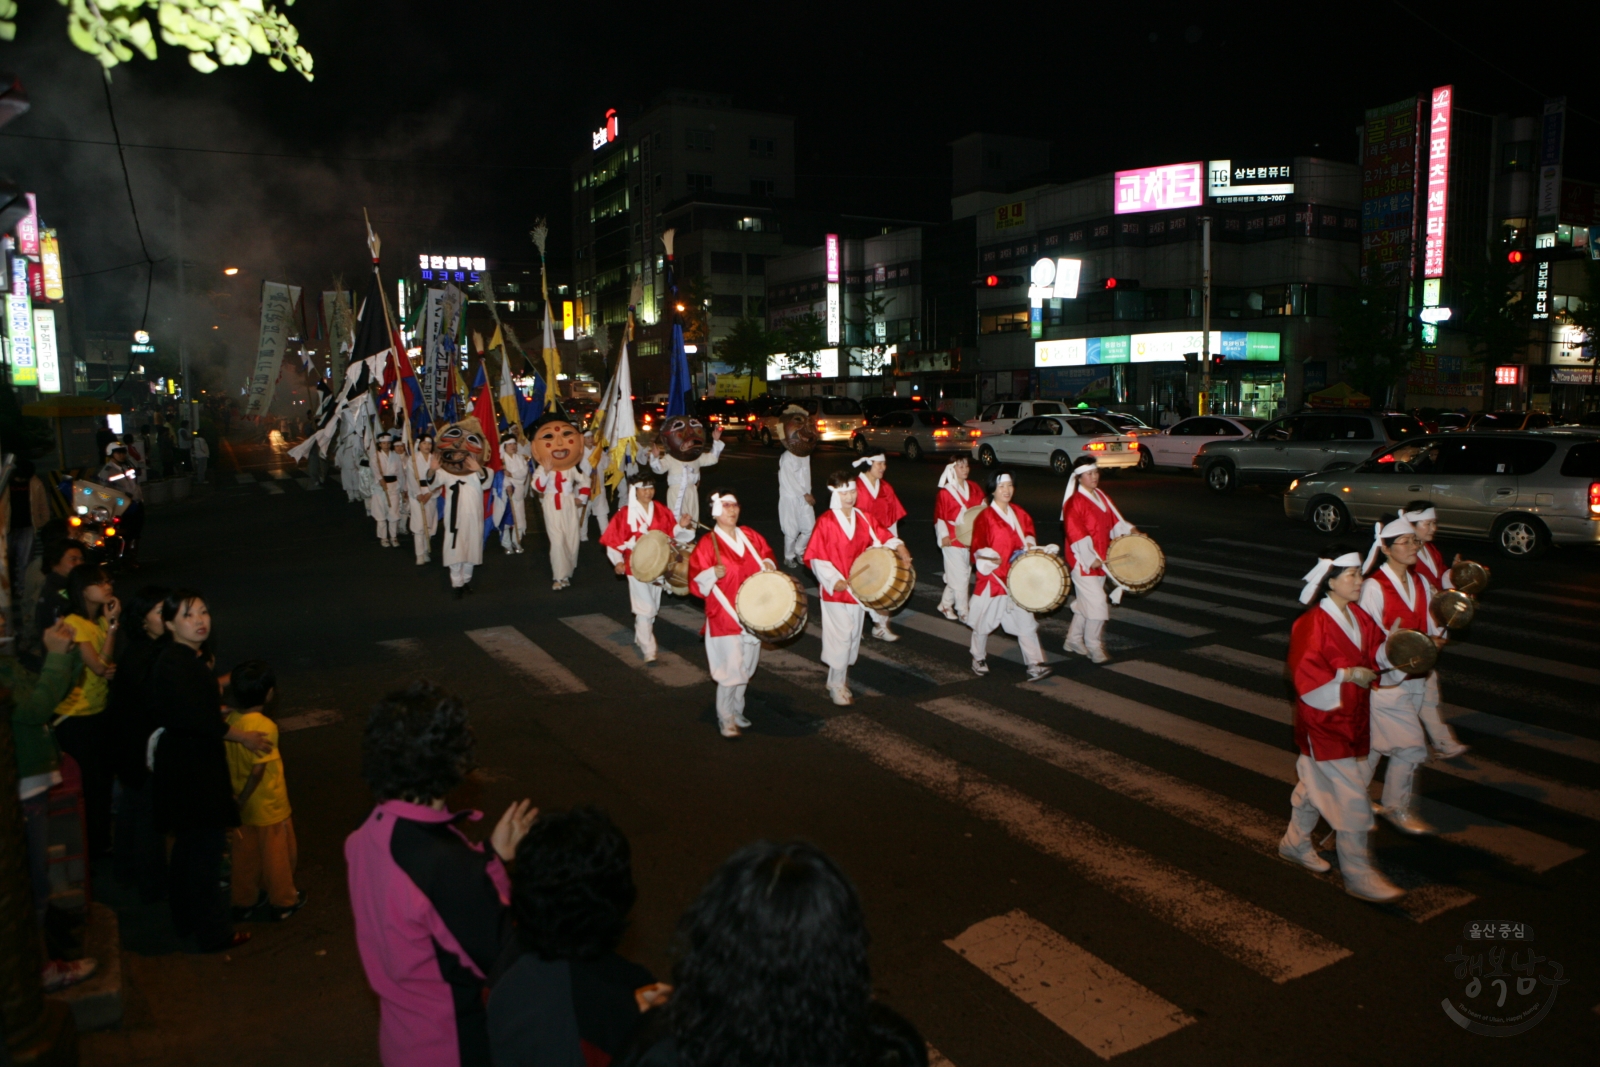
x: 1056, y: 441
x: 1177, y: 445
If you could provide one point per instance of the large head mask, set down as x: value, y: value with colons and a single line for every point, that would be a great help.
x: 557, y: 445
x: 799, y: 435
x: 460, y: 446
x: 684, y: 437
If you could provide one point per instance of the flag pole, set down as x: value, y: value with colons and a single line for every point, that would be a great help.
x: 373, y: 245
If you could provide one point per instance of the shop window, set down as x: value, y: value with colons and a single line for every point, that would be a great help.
x: 1003, y: 321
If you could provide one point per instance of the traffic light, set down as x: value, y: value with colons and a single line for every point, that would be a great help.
x: 999, y: 281
x: 1119, y: 283
x: 1216, y: 360
x: 1514, y: 256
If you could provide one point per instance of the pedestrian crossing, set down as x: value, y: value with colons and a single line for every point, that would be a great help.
x: 1190, y: 725
x: 273, y: 482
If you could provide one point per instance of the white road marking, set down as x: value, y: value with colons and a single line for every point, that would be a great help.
x: 1134, y: 617
x: 790, y: 666
x: 307, y: 719
x: 1227, y: 611
x: 1258, y: 546
x: 273, y: 488
x: 1234, y: 572
x: 245, y: 478
x: 280, y: 475
x: 1537, y: 664
x: 1514, y: 844
x: 1237, y: 594
x: 1246, y: 933
x: 1058, y: 626
x: 511, y: 648
x: 1001, y: 644
x: 1097, y: 1005
x: 1235, y: 821
x: 617, y: 639
x: 928, y: 669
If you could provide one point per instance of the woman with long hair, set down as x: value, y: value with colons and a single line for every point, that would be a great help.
x: 82, y: 729
x: 139, y: 849
x: 774, y: 973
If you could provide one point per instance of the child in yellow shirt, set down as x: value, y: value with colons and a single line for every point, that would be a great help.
x: 264, y: 851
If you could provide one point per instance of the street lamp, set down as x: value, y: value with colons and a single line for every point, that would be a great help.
x: 230, y: 271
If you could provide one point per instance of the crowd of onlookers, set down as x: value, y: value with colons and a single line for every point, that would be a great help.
x: 505, y: 954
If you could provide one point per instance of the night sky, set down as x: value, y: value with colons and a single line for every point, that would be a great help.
x: 479, y: 108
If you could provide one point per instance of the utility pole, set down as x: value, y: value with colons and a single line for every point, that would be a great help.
x: 1206, y: 407
x: 183, y: 348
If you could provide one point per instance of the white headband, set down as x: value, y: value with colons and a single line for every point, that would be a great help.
x: 719, y: 499
x: 1072, y: 479
x: 835, y: 491
x: 1380, y: 532
x: 1003, y: 479
x: 1314, y: 576
x: 1427, y: 514
x: 948, y: 479
x: 867, y: 461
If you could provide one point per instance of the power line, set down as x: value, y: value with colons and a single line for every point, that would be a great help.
x: 127, y: 182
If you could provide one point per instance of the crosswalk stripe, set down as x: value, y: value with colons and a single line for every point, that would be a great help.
x: 617, y: 639
x: 1257, y: 546
x: 1511, y: 843
x: 1134, y: 617
x: 244, y: 478
x: 790, y: 666
x: 1235, y: 593
x: 1233, y: 572
x: 1246, y: 933
x: 272, y: 488
x: 1545, y: 634
x: 1483, y: 722
x: 1057, y: 626
x: 928, y: 669
x: 1001, y: 644
x: 1564, y: 601
x: 508, y: 645
x: 1227, y: 611
x: 1097, y: 1005
x: 280, y: 475
x: 1233, y: 820
x: 1500, y: 656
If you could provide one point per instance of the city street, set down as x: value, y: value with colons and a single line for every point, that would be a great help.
x: 1057, y: 872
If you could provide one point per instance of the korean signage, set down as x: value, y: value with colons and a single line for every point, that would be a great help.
x: 825, y: 362
x: 1541, y: 290
x: 47, y: 350
x: 1249, y: 181
x: 28, y: 229
x: 831, y: 254
x: 441, y: 316
x: 1508, y: 375
x: 1388, y: 187
x: 19, y: 327
x: 1009, y: 215
x: 1550, y: 140
x: 1438, y: 183
x: 568, y: 329
x: 608, y: 132
x: 1169, y: 347
x: 277, y: 322
x: 1177, y: 185
x: 452, y: 268
x: 50, y: 265
x: 831, y: 260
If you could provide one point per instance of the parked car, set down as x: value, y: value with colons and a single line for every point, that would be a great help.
x: 911, y: 433
x: 1509, y: 420
x: 1451, y: 420
x: 836, y: 418
x: 1056, y: 442
x: 1177, y: 445
x: 1002, y: 415
x: 725, y: 411
x: 873, y: 406
x: 647, y: 415
x: 1296, y: 445
x: 580, y: 409
x: 759, y: 409
x: 1523, y: 491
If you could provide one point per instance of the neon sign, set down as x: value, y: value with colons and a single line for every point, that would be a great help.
x: 607, y: 133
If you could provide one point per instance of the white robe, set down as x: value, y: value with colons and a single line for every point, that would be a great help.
x: 795, y: 515
x: 424, y: 513
x: 517, y: 475
x: 463, y: 515
x: 385, y: 502
x: 562, y: 525
x: 683, y: 479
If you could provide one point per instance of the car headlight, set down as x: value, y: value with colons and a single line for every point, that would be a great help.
x: 1294, y: 485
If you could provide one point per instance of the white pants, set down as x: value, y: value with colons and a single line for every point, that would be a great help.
x: 841, y: 638
x: 562, y: 526
x: 460, y: 574
x: 645, y: 600
x: 511, y: 536
x: 987, y: 613
x: 1438, y: 730
x: 600, y: 510
x: 797, y: 518
x: 1397, y: 733
x: 424, y: 521
x: 957, y: 580
x: 1091, y: 601
x: 1336, y: 789
x: 732, y: 661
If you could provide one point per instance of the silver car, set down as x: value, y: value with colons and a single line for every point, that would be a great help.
x: 1055, y: 442
x: 1523, y: 491
x: 911, y: 433
x: 1300, y: 444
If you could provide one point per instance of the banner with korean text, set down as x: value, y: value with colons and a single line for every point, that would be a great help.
x: 1388, y: 191
x: 277, y: 322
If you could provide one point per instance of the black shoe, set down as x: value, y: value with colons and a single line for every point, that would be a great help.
x: 251, y: 913
x: 460, y: 591
x: 277, y: 915
x: 467, y: 588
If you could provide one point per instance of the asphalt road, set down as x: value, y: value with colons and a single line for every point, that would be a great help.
x: 1054, y: 873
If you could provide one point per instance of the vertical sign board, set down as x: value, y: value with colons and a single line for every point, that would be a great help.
x: 1438, y: 183
x: 435, y: 384
x: 19, y: 327
x: 831, y: 251
x: 277, y: 319
x: 28, y: 229
x: 568, y: 328
x: 1550, y: 142
x: 47, y: 351
x: 50, y: 265
x: 1387, y: 188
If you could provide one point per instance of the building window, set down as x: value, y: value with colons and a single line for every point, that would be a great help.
x: 1003, y: 321
x: 700, y: 140
x: 750, y: 224
x: 699, y: 183
x: 763, y: 148
x: 727, y: 306
x: 726, y: 263
x: 661, y: 181
x: 763, y: 187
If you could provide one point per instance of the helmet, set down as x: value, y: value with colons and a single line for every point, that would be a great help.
x: 116, y: 446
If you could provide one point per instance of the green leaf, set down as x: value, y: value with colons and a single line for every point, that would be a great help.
x: 202, y: 62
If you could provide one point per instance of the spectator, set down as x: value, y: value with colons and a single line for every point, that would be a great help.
x: 430, y: 906
x: 82, y: 728
x: 31, y: 704
x: 774, y: 973
x: 61, y: 558
x: 201, y: 451
x: 165, y: 449
x: 264, y: 850
x: 561, y: 994
x: 30, y: 509
x: 139, y: 849
x: 193, y: 797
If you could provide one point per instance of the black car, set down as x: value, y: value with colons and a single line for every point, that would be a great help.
x: 874, y: 406
x: 727, y: 412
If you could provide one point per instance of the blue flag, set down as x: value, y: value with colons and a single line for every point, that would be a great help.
x: 681, y: 384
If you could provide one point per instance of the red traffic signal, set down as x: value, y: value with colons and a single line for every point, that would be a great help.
x: 1111, y: 283
x: 999, y: 281
x: 993, y: 280
x: 1514, y: 256
x: 1119, y: 283
x: 1216, y: 360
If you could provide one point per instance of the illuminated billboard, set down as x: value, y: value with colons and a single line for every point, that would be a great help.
x: 1438, y: 183
x: 1249, y: 181
x: 827, y: 366
x: 1241, y: 345
x: 1177, y: 185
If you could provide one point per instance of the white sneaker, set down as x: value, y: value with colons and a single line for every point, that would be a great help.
x: 1407, y: 822
x: 842, y: 696
x: 1037, y: 671
x: 1452, y: 749
x: 1371, y: 886
x: 790, y: 562
x: 558, y: 585
x: 1306, y: 856
x: 1097, y: 654
x: 980, y: 667
x: 742, y: 722
x: 883, y: 633
x: 949, y: 612
x: 1075, y: 645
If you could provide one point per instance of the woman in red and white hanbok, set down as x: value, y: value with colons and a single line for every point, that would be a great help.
x: 878, y: 499
x: 1431, y: 565
x: 1091, y: 521
x: 1335, y: 653
x: 719, y: 565
x: 1000, y: 534
x: 956, y: 496
x: 638, y: 517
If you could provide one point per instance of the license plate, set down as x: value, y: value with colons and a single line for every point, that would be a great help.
x: 1114, y: 447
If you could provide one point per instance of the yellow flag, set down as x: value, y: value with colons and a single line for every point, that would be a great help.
x: 496, y: 341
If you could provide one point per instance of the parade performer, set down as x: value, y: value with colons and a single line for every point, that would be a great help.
x: 1001, y: 533
x: 639, y: 516
x: 459, y: 473
x: 563, y: 490
x: 421, y: 494
x: 351, y: 452
x: 1335, y: 653
x: 1395, y: 596
x: 514, y: 453
x: 721, y: 562
x: 956, y: 497
x: 679, y: 452
x: 599, y: 506
x: 841, y: 534
x: 384, y: 504
x: 1091, y: 521
x: 796, y: 505
x: 877, y: 498
x: 1431, y: 565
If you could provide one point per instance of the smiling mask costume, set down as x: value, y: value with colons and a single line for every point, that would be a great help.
x: 684, y: 438
x: 562, y: 483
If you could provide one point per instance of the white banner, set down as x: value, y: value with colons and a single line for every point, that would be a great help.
x: 337, y: 321
x: 277, y: 313
x: 44, y: 343
x: 442, y: 321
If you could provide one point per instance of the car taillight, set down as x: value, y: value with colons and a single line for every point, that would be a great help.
x: 1095, y: 446
x: 1594, y: 500
x: 974, y: 433
x: 941, y: 433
